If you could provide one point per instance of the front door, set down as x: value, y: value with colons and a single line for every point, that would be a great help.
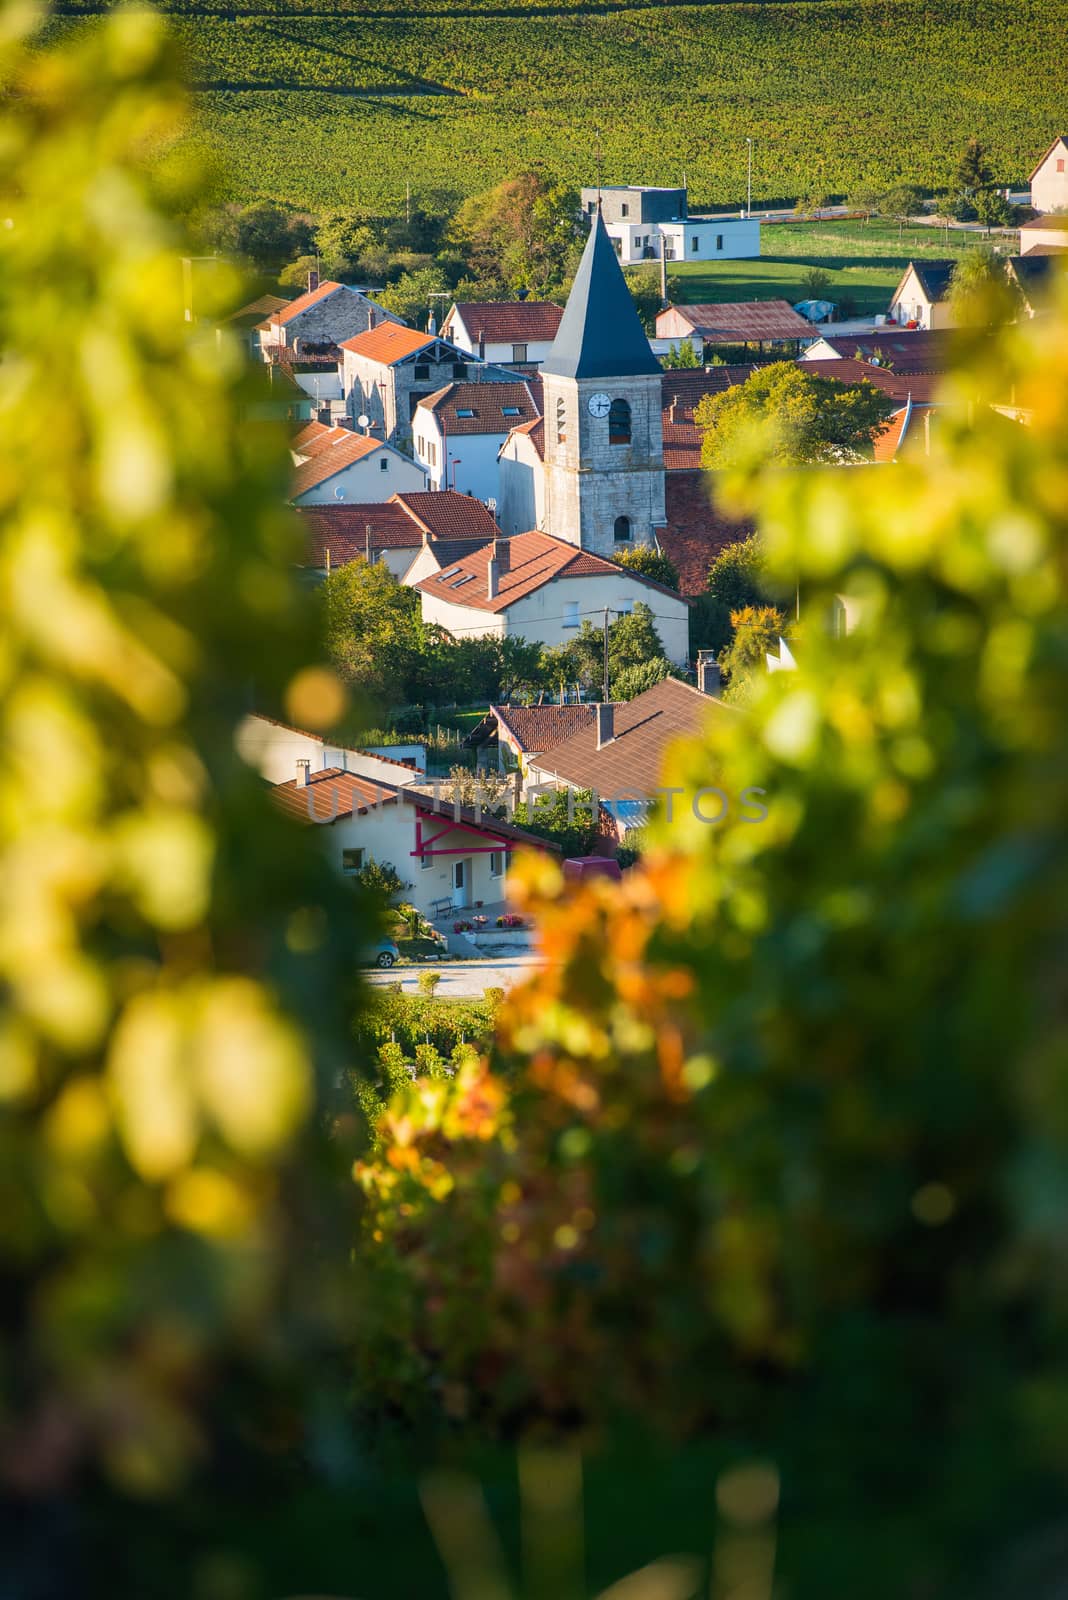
x: 460, y: 884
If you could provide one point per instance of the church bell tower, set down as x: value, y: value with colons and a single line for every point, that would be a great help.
x: 604, y: 446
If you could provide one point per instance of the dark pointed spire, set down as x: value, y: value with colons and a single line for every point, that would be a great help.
x: 600, y: 333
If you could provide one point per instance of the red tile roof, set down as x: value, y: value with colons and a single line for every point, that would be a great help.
x: 534, y: 559
x: 447, y: 514
x: 341, y: 454
x: 388, y: 343
x: 630, y: 765
x: 304, y: 302
x: 736, y: 321
x: 696, y: 530
x: 487, y: 402
x: 888, y: 443
x: 316, y: 437
x: 541, y: 728
x: 921, y: 386
x: 330, y: 786
x: 507, y: 321
x: 265, y: 306
x: 343, y: 530
x: 904, y: 351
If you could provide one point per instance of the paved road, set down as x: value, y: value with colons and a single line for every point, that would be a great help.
x: 460, y: 980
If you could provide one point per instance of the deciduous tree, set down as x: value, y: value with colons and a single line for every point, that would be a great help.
x: 786, y: 415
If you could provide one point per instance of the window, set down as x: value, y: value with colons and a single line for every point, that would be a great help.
x: 383, y: 465
x: 464, y: 411
x: 426, y: 861
x: 561, y: 422
x: 622, y: 528
x: 510, y: 411
x: 422, y: 373
x: 719, y: 241
x: 459, y: 371
x: 571, y: 613
x: 617, y: 245
x: 619, y: 423
x: 1060, y: 166
x: 519, y: 352
x: 351, y: 860
x: 624, y: 210
x: 694, y: 243
x: 496, y: 863
x: 624, y: 607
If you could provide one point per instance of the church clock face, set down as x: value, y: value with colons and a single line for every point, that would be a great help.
x: 598, y: 405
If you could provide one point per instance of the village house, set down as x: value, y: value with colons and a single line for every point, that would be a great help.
x: 247, y: 321
x: 512, y: 333
x: 388, y: 370
x: 1046, y: 235
x: 618, y: 753
x: 449, y: 857
x: 1033, y: 276
x: 1049, y: 180
x: 511, y: 737
x: 899, y: 351
x: 275, y: 396
x: 765, y: 324
x: 459, y: 433
x: 644, y: 220
x: 921, y: 299
x: 401, y: 532
x: 319, y: 320
x: 347, y: 466
x: 541, y: 589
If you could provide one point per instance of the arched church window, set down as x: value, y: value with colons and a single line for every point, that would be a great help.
x: 619, y: 423
x: 622, y: 529
x: 561, y: 422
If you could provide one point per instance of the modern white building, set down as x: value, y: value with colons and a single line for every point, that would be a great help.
x: 638, y: 217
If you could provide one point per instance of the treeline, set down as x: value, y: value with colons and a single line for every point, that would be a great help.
x: 523, y: 236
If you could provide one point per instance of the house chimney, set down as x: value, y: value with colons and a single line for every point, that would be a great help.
x: 502, y: 556
x: 482, y: 344
x: 709, y: 680
x: 313, y: 282
x: 370, y: 318
x: 672, y: 406
x: 606, y: 724
x: 492, y: 575
x: 303, y: 774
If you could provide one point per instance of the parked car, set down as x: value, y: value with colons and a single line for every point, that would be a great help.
x: 383, y: 953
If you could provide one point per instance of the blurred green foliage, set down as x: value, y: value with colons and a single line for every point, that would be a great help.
x: 164, y: 935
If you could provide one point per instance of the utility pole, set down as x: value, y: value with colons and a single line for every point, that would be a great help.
x: 604, y: 695
x: 663, y: 272
x: 749, y: 181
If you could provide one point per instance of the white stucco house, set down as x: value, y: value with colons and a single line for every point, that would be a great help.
x: 514, y: 333
x: 1049, y: 180
x: 1047, y: 236
x: 451, y: 858
x: 521, y: 479
x: 459, y: 431
x: 275, y: 749
x: 921, y: 299
x: 338, y: 465
x: 542, y: 589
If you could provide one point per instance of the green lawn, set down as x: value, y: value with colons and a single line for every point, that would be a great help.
x: 865, y: 261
